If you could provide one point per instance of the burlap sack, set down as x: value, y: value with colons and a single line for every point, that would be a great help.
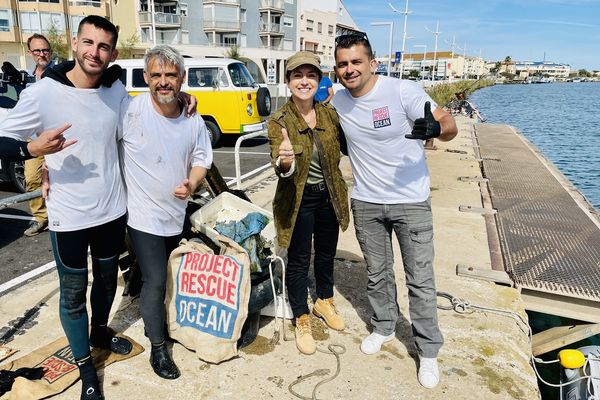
x: 60, y: 369
x: 207, y: 297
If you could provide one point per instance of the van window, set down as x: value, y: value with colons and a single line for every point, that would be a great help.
x: 137, y: 78
x: 240, y: 75
x: 123, y: 77
x: 206, y: 77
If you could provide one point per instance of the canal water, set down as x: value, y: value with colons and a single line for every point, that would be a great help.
x: 562, y: 120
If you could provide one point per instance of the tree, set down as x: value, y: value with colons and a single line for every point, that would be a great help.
x: 583, y: 72
x: 234, y: 52
x: 59, y: 44
x: 496, y: 67
x: 414, y: 73
x: 507, y: 62
x: 127, y: 46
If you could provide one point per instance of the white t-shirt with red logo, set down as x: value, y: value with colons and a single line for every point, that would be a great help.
x: 387, y: 167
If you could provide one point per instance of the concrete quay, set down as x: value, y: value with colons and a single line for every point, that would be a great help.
x: 485, y: 355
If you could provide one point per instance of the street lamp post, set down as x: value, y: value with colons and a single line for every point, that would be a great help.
x: 452, y: 52
x: 391, y: 24
x: 464, y: 49
x: 152, y: 10
x: 436, y: 34
x: 405, y: 12
x: 424, y: 46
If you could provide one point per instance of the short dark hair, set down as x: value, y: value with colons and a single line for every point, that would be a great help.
x: 37, y: 36
x: 353, y: 39
x: 101, y: 23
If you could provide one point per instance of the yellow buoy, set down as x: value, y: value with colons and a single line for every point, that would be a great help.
x: 571, y: 359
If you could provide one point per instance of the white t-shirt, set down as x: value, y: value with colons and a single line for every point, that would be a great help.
x: 387, y: 167
x: 86, y: 187
x: 158, y: 154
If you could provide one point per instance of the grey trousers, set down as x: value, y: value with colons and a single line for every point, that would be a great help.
x: 413, y: 226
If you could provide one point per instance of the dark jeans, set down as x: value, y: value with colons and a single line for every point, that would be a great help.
x: 70, y: 253
x: 152, y: 254
x: 316, y: 218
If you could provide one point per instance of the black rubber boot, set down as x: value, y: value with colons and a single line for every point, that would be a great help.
x: 162, y: 363
x: 90, y: 388
x: 104, y: 338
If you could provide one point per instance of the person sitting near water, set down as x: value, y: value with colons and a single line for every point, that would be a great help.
x: 311, y: 196
x: 466, y: 108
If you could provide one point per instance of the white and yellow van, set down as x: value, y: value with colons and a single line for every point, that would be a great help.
x: 229, y: 100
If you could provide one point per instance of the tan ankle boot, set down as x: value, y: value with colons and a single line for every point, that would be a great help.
x: 326, y: 309
x: 304, y: 340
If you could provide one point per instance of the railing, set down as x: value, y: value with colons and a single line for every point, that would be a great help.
x: 160, y: 18
x: 236, y: 153
x: 20, y: 198
x: 85, y: 3
x: 221, y: 1
x: 226, y: 25
x: 272, y: 4
x: 264, y: 27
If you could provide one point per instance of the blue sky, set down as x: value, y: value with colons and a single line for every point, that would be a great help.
x: 568, y: 31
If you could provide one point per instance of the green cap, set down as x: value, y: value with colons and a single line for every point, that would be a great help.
x: 303, y: 58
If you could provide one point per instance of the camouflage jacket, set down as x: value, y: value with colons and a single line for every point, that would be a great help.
x: 290, y: 189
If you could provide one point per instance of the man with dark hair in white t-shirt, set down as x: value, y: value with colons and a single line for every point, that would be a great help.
x: 385, y: 121
x: 86, y: 204
x: 165, y: 158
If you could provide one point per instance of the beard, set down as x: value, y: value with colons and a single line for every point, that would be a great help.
x: 43, y: 63
x: 165, y: 98
x: 90, y: 71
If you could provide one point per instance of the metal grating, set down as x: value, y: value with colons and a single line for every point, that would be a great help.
x: 548, y: 241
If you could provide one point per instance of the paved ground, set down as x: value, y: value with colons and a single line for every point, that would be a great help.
x: 485, y: 355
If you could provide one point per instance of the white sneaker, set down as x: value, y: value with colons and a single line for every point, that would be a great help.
x: 429, y: 374
x: 372, y: 343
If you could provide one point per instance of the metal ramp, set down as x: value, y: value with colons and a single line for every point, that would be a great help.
x: 549, y: 234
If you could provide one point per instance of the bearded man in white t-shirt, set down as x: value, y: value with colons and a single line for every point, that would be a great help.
x: 385, y: 121
x: 165, y: 157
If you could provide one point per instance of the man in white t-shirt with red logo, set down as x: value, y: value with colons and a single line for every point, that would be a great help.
x: 385, y: 121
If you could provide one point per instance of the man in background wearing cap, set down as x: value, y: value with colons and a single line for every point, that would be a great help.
x: 311, y: 196
x: 385, y: 127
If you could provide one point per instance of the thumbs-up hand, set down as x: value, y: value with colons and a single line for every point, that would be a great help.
x: 183, y: 190
x: 426, y: 127
x: 286, y: 150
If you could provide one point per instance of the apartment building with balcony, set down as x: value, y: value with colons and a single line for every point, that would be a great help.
x: 265, y: 32
x: 526, y: 69
x: 320, y: 22
x: 168, y: 24
x: 19, y: 19
x: 442, y: 65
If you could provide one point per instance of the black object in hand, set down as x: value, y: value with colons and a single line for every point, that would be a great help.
x: 426, y: 127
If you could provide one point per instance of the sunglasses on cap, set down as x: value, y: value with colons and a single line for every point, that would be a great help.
x: 356, y: 36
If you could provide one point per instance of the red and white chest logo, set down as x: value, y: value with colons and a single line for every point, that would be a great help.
x: 381, y: 117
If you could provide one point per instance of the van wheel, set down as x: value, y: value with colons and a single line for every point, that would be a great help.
x: 214, y: 132
x: 16, y: 171
x: 263, y: 101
